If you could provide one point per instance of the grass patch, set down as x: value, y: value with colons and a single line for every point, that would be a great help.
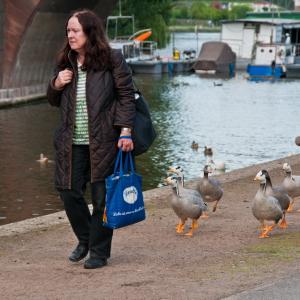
x: 264, y: 257
x: 267, y: 255
x: 283, y: 247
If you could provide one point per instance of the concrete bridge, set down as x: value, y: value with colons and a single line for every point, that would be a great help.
x: 31, y: 33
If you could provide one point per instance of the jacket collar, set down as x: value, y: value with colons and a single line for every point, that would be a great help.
x: 72, y: 56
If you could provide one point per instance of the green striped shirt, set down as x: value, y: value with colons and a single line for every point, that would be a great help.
x: 81, y: 130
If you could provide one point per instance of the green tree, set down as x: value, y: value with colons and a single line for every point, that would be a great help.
x: 180, y: 12
x: 154, y: 14
x: 204, y: 11
x: 201, y: 11
x: 239, y: 11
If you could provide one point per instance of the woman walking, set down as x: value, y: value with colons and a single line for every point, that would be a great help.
x: 92, y: 86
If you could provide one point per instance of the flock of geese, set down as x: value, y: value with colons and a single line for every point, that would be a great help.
x: 269, y: 204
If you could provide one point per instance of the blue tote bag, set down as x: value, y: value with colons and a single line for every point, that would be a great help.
x: 124, y: 204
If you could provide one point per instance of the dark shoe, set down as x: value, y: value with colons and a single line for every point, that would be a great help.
x: 94, y: 263
x: 79, y: 253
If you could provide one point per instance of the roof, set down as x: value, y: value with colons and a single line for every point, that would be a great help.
x: 291, y: 23
x: 275, y: 14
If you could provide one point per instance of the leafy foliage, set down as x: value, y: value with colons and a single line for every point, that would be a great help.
x: 154, y: 14
x: 208, y: 10
x: 239, y: 11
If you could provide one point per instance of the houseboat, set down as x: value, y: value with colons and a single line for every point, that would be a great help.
x: 265, y: 46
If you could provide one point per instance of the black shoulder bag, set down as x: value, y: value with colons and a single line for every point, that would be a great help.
x: 144, y: 133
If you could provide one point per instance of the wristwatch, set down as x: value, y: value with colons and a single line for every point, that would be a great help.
x: 126, y: 129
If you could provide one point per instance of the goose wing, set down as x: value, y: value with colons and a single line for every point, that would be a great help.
x: 283, y: 198
x: 210, y: 189
x: 266, y: 207
x: 192, y: 203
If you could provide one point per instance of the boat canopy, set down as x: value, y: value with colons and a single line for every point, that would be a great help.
x: 215, y: 56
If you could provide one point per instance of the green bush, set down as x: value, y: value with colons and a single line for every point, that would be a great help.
x: 160, y: 32
x: 180, y: 12
x: 239, y: 12
x: 154, y: 14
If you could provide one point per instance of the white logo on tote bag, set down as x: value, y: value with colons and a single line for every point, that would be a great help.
x: 130, y: 194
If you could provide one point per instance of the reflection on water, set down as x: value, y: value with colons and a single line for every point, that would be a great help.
x: 26, y: 185
x: 244, y: 122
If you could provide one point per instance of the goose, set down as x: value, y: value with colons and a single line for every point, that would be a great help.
x: 216, y: 165
x: 218, y: 83
x: 178, y: 171
x: 265, y: 208
x: 291, y: 184
x: 43, y: 159
x: 283, y: 198
x: 195, y: 145
x: 210, y: 188
x: 208, y: 151
x: 186, y: 203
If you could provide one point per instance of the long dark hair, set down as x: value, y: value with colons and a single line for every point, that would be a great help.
x: 97, y: 49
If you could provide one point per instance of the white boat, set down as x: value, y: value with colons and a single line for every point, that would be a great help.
x: 133, y: 44
x: 140, y: 54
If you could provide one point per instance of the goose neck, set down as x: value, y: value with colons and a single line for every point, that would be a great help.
x: 263, y: 187
x: 288, y: 174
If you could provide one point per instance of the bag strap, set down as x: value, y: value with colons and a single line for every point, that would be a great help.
x: 129, y: 164
x: 129, y: 154
x: 136, y: 89
x: 119, y: 163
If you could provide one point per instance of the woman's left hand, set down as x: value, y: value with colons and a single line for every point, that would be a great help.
x: 125, y: 144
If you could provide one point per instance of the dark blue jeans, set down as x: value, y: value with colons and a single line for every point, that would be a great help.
x: 87, y: 227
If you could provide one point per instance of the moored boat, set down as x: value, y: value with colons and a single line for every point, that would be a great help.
x: 215, y: 58
x: 269, y: 62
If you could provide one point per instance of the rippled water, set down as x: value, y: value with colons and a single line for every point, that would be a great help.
x: 244, y: 122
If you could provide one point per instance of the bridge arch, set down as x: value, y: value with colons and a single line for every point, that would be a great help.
x: 31, y: 35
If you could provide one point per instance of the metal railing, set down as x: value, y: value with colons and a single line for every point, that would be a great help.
x: 141, y: 50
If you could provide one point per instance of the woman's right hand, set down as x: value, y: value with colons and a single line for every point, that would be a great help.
x: 64, y: 77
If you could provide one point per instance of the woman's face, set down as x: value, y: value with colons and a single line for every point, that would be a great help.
x: 76, y: 36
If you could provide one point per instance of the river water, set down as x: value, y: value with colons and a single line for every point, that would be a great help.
x: 244, y: 122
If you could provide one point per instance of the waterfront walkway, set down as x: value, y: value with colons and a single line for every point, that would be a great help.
x: 149, y: 260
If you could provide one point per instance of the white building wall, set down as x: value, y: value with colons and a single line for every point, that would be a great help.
x: 297, y: 5
x: 265, y: 33
x: 242, y: 40
x: 232, y: 34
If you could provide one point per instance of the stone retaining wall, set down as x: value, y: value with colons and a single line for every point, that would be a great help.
x: 14, y: 96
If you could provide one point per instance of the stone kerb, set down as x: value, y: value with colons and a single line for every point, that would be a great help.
x: 156, y: 195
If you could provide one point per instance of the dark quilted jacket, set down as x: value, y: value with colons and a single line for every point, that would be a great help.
x: 110, y: 105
